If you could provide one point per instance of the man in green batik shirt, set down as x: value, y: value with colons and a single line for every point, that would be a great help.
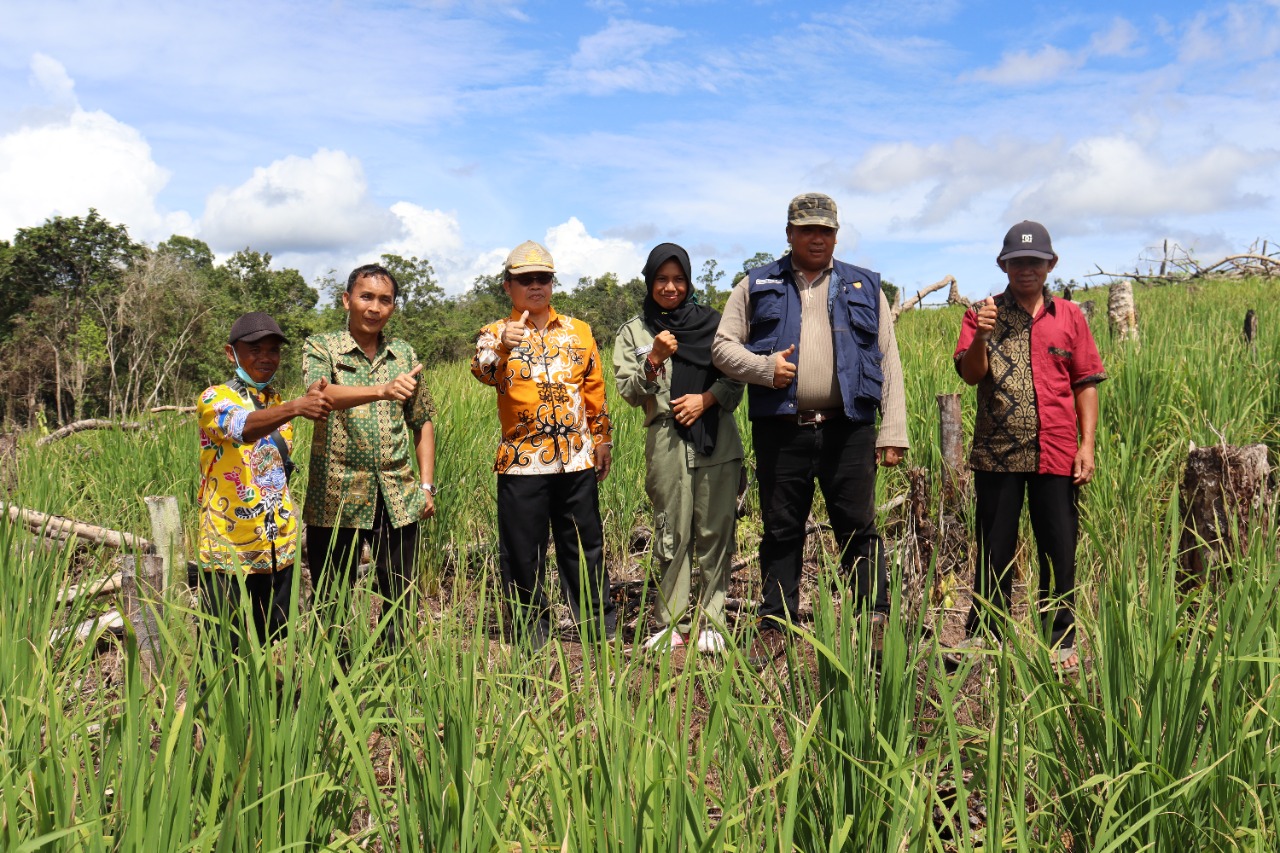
x: 361, y: 485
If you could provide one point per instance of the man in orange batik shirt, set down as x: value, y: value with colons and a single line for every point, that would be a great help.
x: 555, y: 449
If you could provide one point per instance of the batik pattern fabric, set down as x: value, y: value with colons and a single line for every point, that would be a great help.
x: 247, y: 520
x: 1026, y: 419
x: 359, y: 453
x: 551, y: 404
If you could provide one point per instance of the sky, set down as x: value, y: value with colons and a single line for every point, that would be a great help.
x: 327, y: 133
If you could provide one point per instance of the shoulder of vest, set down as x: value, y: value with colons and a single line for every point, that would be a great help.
x: 849, y: 272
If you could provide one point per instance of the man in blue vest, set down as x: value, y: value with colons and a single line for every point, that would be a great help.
x: 813, y: 339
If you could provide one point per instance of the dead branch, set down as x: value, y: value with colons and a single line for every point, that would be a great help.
x: 104, y: 586
x: 947, y: 281
x: 81, y: 426
x: 185, y: 410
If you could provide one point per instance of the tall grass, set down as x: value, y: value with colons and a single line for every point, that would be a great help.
x: 1167, y: 739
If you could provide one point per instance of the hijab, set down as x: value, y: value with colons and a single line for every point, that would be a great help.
x: 694, y: 327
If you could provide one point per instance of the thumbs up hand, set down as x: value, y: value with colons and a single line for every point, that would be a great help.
x: 986, y: 314
x: 784, y: 372
x: 402, y: 387
x: 515, y: 331
x: 314, y: 405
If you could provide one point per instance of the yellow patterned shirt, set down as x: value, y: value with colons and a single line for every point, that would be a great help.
x: 357, y: 454
x: 550, y: 396
x: 246, y: 514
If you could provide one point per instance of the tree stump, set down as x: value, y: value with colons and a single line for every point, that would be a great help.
x: 144, y: 610
x: 1224, y: 490
x: 1122, y: 312
x: 955, y: 473
x: 166, y: 536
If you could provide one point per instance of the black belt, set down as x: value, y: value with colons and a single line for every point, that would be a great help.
x: 813, y: 417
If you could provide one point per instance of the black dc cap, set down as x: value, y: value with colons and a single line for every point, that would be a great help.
x: 1027, y: 239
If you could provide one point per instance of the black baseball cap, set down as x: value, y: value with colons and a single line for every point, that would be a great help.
x: 254, y: 326
x: 1027, y: 239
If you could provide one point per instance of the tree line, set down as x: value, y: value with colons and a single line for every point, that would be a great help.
x: 94, y: 323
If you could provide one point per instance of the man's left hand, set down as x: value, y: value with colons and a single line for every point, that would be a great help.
x: 604, y: 461
x: 1082, y: 469
x: 888, y: 457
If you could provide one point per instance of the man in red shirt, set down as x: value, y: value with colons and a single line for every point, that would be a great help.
x: 1037, y: 369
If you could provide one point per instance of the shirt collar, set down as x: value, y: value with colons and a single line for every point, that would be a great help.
x: 1007, y: 298
x: 347, y: 345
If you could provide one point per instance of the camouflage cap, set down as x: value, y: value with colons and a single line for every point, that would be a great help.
x: 813, y: 209
x: 528, y: 257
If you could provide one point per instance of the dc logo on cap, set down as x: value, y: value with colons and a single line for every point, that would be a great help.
x: 1026, y: 238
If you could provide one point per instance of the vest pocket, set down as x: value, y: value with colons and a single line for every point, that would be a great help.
x: 863, y: 322
x: 767, y: 306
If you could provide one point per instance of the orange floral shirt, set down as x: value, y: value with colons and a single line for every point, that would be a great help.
x: 550, y: 396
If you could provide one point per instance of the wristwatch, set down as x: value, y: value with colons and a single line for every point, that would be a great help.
x: 429, y: 488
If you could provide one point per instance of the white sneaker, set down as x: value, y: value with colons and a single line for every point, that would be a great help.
x: 711, y: 642
x: 668, y: 637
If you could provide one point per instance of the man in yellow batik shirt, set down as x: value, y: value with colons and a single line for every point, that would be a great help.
x: 555, y: 449
x: 247, y: 520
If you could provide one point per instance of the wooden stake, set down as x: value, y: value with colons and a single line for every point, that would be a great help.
x: 166, y: 535
x: 144, y: 610
x: 955, y: 481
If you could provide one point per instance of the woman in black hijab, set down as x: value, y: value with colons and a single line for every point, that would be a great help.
x: 693, y: 454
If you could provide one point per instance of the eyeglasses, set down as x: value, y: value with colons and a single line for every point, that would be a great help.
x: 526, y: 279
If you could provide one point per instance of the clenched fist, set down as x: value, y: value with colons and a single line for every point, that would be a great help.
x: 664, y: 346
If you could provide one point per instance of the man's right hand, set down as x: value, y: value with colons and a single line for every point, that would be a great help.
x: 314, y: 405
x: 514, y: 332
x: 784, y: 372
x: 402, y: 387
x: 664, y: 346
x: 986, y: 314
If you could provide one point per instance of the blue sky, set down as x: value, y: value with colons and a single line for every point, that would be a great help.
x: 327, y: 133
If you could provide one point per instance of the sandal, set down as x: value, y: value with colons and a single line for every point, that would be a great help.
x: 668, y: 637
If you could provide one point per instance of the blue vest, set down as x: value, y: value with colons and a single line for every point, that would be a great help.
x: 853, y: 302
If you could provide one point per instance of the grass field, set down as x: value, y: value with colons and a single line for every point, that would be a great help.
x: 1168, y: 740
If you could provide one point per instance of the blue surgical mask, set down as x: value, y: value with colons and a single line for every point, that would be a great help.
x: 244, y: 377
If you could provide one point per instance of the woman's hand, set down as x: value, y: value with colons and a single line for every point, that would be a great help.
x: 690, y: 407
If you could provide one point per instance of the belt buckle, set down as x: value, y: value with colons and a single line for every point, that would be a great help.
x: 810, y: 419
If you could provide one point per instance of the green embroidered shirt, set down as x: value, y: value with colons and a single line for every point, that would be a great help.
x: 359, y: 452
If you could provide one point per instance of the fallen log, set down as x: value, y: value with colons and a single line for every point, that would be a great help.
x: 947, y: 281
x: 93, y: 589
x: 42, y: 523
x: 184, y: 410
x: 90, y: 629
x: 88, y: 424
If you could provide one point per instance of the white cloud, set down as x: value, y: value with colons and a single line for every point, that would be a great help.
x: 1023, y: 68
x: 1233, y: 33
x: 1118, y: 178
x: 299, y: 204
x: 579, y: 254
x: 69, y: 160
x: 617, y: 59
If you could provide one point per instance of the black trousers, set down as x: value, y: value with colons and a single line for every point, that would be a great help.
x: 570, y: 504
x: 268, y: 602
x: 1055, y: 521
x: 334, y: 553
x: 841, y: 456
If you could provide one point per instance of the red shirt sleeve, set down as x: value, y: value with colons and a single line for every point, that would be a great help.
x: 968, y: 331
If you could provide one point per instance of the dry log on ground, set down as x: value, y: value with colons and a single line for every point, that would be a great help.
x: 185, y: 410
x: 91, y: 629
x: 105, y: 586
x: 1224, y: 491
x: 88, y: 424
x: 42, y: 523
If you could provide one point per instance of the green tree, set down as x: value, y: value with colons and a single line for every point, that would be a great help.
x: 759, y: 259
x: 707, y: 280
